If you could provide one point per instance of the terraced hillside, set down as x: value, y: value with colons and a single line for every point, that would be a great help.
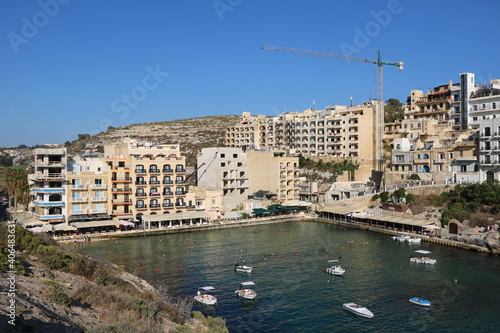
x: 193, y: 134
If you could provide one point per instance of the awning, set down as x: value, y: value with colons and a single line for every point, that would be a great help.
x: 126, y: 223
x: 94, y: 224
x: 342, y: 210
x: 397, y: 220
x: 297, y: 203
x: 63, y: 227
x: 175, y: 216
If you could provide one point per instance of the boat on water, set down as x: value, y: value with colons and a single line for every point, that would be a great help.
x: 420, y: 301
x: 358, y: 309
x: 245, y: 292
x: 350, y: 242
x: 423, y: 260
x: 243, y: 268
x: 335, y: 270
x: 414, y: 240
x: 400, y: 238
x: 204, y: 297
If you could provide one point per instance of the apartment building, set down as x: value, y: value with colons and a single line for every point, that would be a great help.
x: 224, y: 169
x: 334, y: 131
x: 274, y: 171
x: 146, y: 179
x: 88, y: 188
x: 48, y: 185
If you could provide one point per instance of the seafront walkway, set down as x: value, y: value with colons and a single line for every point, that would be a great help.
x: 224, y: 224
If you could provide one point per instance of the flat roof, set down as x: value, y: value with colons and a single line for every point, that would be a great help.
x: 175, y: 216
x: 343, y: 209
x: 93, y: 224
x: 398, y: 220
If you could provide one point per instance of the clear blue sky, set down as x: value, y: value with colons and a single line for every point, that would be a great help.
x: 82, y: 66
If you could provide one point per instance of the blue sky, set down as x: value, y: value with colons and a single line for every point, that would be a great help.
x: 69, y: 66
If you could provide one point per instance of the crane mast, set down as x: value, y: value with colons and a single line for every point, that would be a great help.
x: 378, y: 120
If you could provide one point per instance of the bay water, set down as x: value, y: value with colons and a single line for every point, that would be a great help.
x: 294, y: 292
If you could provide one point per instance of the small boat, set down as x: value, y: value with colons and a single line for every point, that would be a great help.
x: 414, y: 240
x: 333, y: 260
x: 420, y: 301
x: 350, y: 242
x: 203, y: 297
x: 423, y: 260
x: 400, y: 238
x: 358, y: 309
x: 335, y: 270
x: 245, y: 292
x: 243, y: 268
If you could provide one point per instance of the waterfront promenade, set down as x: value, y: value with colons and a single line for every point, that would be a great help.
x: 256, y: 222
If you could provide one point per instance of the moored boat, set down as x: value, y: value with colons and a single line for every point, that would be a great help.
x: 335, y: 270
x: 245, y: 292
x: 414, y: 240
x: 243, y: 268
x: 423, y: 260
x: 358, y: 309
x: 203, y: 297
x: 420, y: 301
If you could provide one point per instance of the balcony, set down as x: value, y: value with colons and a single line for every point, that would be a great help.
x: 168, y: 205
x: 154, y: 170
x: 98, y: 211
x: 438, y: 161
x: 154, y: 206
x: 78, y: 199
x: 180, y: 192
x: 78, y: 211
x: 48, y: 190
x: 98, y: 199
x: 180, y: 181
x: 168, y: 170
x: 180, y: 204
x: 98, y: 186
x: 121, y: 179
x: 125, y: 190
x: 141, y: 194
x: 78, y: 187
x: 167, y: 194
x: 154, y: 182
x: 50, y: 176
x: 168, y: 182
x: 140, y: 171
x: 154, y: 194
x: 141, y: 182
x: 141, y: 207
x: 180, y: 170
x: 48, y: 203
x: 121, y: 202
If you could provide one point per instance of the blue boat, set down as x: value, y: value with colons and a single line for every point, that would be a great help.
x: 420, y: 301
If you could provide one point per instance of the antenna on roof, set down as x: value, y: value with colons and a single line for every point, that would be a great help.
x: 314, y: 105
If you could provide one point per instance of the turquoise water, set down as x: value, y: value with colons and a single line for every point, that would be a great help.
x: 295, y: 294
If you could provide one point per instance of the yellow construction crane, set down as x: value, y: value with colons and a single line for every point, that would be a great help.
x: 378, y: 134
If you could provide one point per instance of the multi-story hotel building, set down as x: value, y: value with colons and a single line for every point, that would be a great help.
x: 146, y: 179
x: 88, y: 189
x: 48, y: 183
x: 334, y: 131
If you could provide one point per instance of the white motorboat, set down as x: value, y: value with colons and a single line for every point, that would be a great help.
x: 420, y: 301
x: 245, y: 292
x: 423, y: 260
x: 204, y: 297
x: 243, y: 268
x: 358, y: 309
x: 400, y: 238
x: 414, y: 240
x: 335, y: 270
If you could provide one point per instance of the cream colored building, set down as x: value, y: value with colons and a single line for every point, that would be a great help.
x: 146, y: 179
x: 88, y: 189
x: 274, y: 171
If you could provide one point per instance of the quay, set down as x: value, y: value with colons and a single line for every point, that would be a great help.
x: 262, y: 221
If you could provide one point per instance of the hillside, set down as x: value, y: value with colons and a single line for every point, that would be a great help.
x: 193, y: 134
x: 55, y: 290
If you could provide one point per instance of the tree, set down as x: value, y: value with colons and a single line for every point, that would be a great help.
x: 14, y: 181
x: 393, y: 110
x: 384, y: 196
x: 410, y: 198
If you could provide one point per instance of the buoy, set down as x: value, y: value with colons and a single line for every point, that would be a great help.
x: 139, y: 267
x: 296, y: 254
x: 281, y: 256
x: 212, y: 266
x: 157, y: 270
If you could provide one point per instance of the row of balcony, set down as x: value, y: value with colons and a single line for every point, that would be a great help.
x: 157, y: 194
x: 158, y: 182
x: 85, y: 199
x: 92, y: 186
x: 159, y: 170
x: 164, y: 205
x: 89, y: 211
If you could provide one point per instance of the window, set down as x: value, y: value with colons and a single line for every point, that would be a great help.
x: 235, y: 155
x: 121, y: 164
x: 222, y: 155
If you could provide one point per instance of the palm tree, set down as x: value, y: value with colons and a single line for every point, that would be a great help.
x: 14, y: 181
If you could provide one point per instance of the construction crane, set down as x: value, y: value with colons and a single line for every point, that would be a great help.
x: 378, y: 120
